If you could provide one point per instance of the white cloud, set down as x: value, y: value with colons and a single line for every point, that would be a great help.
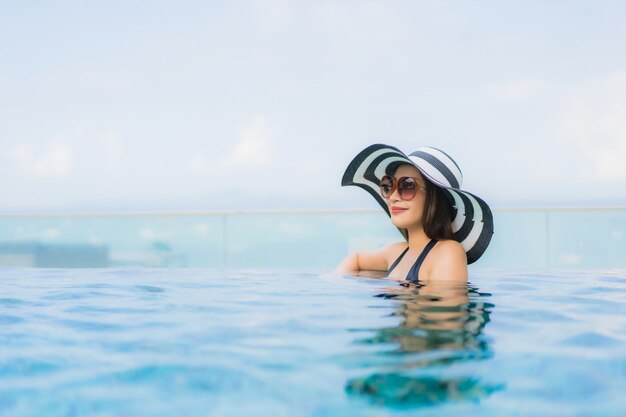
x: 593, y: 125
x: 567, y: 148
x: 77, y: 152
x: 255, y: 147
x: 113, y: 150
x: 513, y: 91
x: 198, y: 164
x: 55, y: 160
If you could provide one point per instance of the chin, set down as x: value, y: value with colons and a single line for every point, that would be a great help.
x: 402, y: 223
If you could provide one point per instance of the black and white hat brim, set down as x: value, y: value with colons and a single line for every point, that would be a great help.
x: 472, y: 222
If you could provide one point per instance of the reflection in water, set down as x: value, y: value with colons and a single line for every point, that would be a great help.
x: 440, y: 325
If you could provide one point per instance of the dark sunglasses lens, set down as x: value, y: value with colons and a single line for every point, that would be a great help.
x: 407, y: 187
x: 386, y: 186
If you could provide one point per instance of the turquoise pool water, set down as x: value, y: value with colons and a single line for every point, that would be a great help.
x: 234, y: 342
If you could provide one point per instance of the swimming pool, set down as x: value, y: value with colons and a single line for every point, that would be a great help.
x: 235, y: 342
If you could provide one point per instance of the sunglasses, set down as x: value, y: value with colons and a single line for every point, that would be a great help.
x: 407, y: 187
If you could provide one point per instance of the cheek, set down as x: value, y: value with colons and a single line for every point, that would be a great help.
x: 417, y: 204
x: 417, y: 209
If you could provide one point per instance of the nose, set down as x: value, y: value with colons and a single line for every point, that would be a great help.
x: 395, y: 196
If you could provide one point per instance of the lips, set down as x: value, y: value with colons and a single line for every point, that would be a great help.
x: 397, y: 210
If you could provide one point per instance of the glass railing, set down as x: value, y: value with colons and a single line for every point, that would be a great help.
x: 524, y: 239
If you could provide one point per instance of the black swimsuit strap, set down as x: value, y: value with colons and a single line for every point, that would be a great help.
x: 397, y: 261
x: 413, y: 275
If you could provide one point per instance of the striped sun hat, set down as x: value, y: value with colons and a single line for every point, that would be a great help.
x: 472, y: 222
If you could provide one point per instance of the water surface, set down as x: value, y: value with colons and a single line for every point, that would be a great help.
x: 206, y: 342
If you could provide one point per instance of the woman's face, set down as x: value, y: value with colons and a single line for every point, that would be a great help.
x: 407, y: 213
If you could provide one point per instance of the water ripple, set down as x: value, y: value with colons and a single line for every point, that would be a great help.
x: 181, y: 342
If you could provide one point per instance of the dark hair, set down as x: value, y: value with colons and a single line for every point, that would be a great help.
x: 437, y: 217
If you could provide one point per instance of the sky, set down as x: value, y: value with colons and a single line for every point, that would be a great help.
x: 250, y: 104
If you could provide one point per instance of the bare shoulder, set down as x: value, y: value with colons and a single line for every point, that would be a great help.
x: 388, y: 254
x: 392, y: 251
x: 450, y: 248
x: 398, y: 246
x: 449, y: 261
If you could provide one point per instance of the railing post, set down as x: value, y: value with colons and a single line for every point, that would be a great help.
x: 547, y: 231
x: 224, y: 240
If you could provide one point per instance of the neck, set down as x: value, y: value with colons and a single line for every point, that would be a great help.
x: 417, y: 237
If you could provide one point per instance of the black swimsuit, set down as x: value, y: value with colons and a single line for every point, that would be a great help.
x: 413, y: 274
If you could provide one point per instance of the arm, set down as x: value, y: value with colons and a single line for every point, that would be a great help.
x: 358, y: 261
x: 377, y: 260
x: 349, y: 264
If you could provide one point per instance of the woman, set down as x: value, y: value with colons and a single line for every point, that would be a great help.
x: 444, y: 228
